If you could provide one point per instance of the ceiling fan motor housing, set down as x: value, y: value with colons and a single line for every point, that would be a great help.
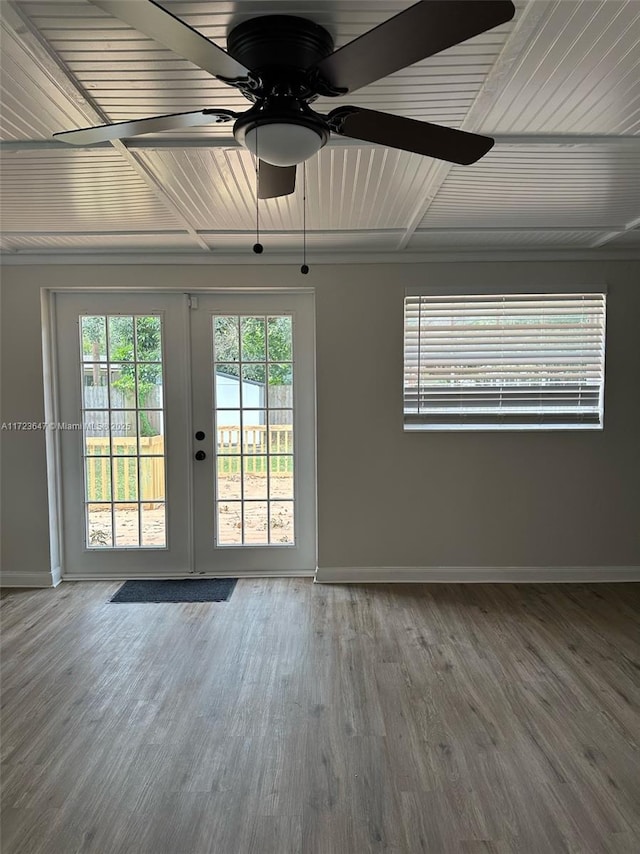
x: 279, y: 41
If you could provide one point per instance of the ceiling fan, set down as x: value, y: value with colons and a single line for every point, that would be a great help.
x: 282, y: 63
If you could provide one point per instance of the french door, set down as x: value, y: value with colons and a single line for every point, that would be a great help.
x: 187, y: 434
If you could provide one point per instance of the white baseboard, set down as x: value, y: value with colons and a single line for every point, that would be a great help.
x: 485, y: 574
x: 367, y: 575
x: 27, y: 579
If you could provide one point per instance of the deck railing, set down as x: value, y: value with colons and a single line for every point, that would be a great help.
x: 252, y: 441
x: 124, y: 475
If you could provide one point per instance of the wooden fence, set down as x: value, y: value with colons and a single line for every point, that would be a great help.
x: 97, y: 398
x: 252, y: 441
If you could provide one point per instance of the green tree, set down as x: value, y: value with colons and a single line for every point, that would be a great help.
x: 94, y: 343
x: 147, y: 331
x: 147, y: 350
x: 251, y: 340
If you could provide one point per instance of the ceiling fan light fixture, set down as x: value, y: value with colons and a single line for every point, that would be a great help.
x: 283, y: 143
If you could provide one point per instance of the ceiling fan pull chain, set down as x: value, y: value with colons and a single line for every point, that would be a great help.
x: 257, y: 246
x: 304, y: 269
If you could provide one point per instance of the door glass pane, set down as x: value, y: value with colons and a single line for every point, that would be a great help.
x: 149, y: 385
x: 255, y: 523
x: 148, y: 339
x: 96, y: 432
x: 253, y: 339
x: 229, y: 431
x: 97, y: 478
x: 124, y: 440
x: 254, y: 432
x: 123, y: 420
x: 229, y: 523
x: 95, y: 394
x: 281, y: 431
x: 126, y: 524
x: 253, y: 385
x: 99, y: 526
x: 226, y: 340
x: 93, y: 339
x: 151, y: 431
x: 281, y: 385
x: 279, y: 337
x: 125, y: 478
x: 281, y: 477
x: 122, y: 385
x: 281, y: 522
x: 254, y: 478
x: 121, y: 348
x: 153, y: 524
x: 253, y: 378
x: 227, y: 387
x: 229, y: 485
x: 152, y: 479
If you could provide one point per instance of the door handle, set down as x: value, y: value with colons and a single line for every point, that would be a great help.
x: 200, y: 455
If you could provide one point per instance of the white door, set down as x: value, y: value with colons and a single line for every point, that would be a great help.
x: 187, y: 435
x: 253, y: 397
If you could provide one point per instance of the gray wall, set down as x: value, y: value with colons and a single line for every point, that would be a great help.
x: 385, y: 498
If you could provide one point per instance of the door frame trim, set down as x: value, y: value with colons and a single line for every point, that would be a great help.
x: 53, y: 449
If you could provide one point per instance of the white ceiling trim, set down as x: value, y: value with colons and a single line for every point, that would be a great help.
x: 329, y: 257
x: 526, y: 24
x: 572, y: 141
x: 317, y: 232
x: 328, y: 232
x: 147, y: 246
x: 52, y: 65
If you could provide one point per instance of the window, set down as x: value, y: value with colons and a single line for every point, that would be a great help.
x: 504, y: 362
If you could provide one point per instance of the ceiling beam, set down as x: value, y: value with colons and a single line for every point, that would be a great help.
x: 587, y: 141
x: 329, y: 256
x: 526, y: 23
x: 53, y: 66
x: 603, y: 239
x: 210, y: 233
x: 324, y: 232
x: 497, y: 229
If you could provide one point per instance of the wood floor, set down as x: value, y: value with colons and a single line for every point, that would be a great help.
x: 302, y: 719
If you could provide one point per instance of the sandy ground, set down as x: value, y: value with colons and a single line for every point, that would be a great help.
x: 230, y: 516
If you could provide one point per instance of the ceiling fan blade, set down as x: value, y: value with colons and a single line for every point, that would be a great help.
x: 275, y: 181
x: 455, y: 146
x: 123, y: 130
x: 150, y: 18
x: 420, y: 31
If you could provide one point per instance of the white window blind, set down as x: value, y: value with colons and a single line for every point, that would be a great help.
x: 504, y: 362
